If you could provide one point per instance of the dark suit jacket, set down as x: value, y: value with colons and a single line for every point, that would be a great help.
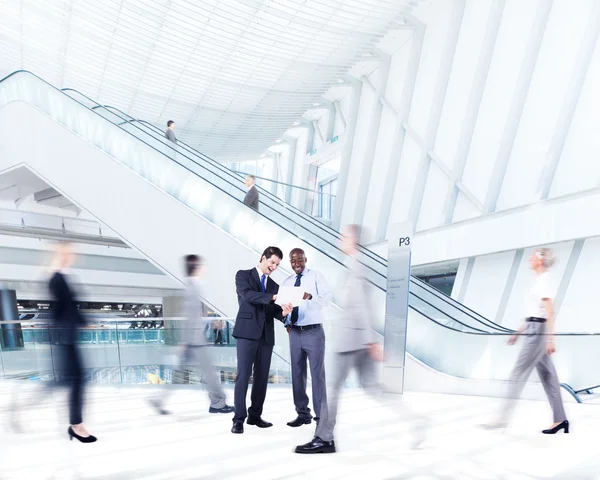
x: 66, y: 313
x: 251, y: 198
x: 257, y: 312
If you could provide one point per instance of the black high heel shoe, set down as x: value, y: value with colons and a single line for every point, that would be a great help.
x: 72, y: 435
x: 563, y: 425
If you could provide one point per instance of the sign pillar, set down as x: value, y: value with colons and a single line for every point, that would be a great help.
x: 396, y: 306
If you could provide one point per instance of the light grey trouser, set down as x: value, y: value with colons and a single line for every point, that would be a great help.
x: 308, y: 344
x: 198, y: 358
x: 342, y: 365
x: 533, y: 355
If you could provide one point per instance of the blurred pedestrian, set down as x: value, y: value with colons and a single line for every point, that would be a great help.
x: 356, y: 348
x: 68, y: 320
x: 193, y: 344
x: 538, y: 345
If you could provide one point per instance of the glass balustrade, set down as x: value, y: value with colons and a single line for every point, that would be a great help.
x: 115, y: 352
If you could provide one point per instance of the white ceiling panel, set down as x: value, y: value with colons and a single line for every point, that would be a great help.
x: 233, y: 74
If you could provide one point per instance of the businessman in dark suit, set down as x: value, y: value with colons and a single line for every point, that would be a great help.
x: 255, y: 336
x: 251, y: 198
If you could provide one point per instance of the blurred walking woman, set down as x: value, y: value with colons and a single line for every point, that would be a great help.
x: 68, y: 319
x: 538, y: 344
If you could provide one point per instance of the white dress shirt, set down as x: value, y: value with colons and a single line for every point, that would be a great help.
x: 310, y: 312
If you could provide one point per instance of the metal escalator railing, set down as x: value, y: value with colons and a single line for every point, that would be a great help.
x: 444, y: 308
x: 379, y: 262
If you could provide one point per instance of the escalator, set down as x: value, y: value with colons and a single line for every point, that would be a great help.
x: 168, y: 201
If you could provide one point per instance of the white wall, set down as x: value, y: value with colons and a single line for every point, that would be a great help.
x: 505, y: 109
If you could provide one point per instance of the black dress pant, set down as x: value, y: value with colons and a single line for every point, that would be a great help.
x: 252, y: 356
x: 70, y: 371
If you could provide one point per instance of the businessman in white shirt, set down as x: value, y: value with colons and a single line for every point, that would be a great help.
x: 307, y: 337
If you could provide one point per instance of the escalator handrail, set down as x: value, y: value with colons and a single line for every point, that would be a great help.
x: 377, y: 258
x: 160, y: 137
x: 196, y: 174
x: 235, y: 185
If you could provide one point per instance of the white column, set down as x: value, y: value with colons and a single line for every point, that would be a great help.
x: 516, y: 108
x: 347, y: 154
x: 389, y: 182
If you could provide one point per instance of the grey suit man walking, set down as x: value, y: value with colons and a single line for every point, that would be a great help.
x: 307, y: 338
x: 192, y: 339
x: 355, y: 346
x: 252, y: 197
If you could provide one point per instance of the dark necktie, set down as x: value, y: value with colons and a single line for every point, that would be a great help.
x: 294, y: 317
x: 263, y: 285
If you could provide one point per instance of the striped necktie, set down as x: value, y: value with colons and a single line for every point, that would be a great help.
x: 294, y: 317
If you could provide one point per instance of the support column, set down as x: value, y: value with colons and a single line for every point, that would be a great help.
x: 436, y: 110
x: 293, y: 143
x: 580, y: 69
x: 172, y: 308
x: 478, y: 87
x: 331, y: 121
x: 512, y: 123
x: 12, y: 335
x: 389, y: 181
x: 373, y: 134
x: 347, y: 155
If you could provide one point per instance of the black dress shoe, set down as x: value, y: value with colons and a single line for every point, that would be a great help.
x: 259, y: 422
x: 299, y: 422
x: 238, y: 427
x: 317, y: 446
x: 225, y: 409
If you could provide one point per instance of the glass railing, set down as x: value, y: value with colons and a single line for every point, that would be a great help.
x: 114, y: 352
x: 486, y: 356
x: 217, y: 194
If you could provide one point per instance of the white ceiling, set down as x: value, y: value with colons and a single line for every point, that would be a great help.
x: 233, y: 74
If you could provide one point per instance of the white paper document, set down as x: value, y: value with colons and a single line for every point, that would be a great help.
x: 293, y: 295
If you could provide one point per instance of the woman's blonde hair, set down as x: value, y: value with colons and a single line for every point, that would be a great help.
x: 547, y: 255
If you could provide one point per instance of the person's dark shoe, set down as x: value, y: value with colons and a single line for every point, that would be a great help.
x: 225, y: 409
x: 316, y: 446
x: 298, y: 422
x: 158, y: 407
x: 88, y: 439
x: 238, y: 427
x: 259, y: 422
x: 561, y: 426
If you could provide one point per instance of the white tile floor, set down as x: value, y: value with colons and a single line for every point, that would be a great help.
x: 136, y: 444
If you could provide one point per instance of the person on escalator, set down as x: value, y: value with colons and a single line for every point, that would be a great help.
x: 170, y: 132
x: 538, y: 346
x: 193, y: 345
x: 252, y: 197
